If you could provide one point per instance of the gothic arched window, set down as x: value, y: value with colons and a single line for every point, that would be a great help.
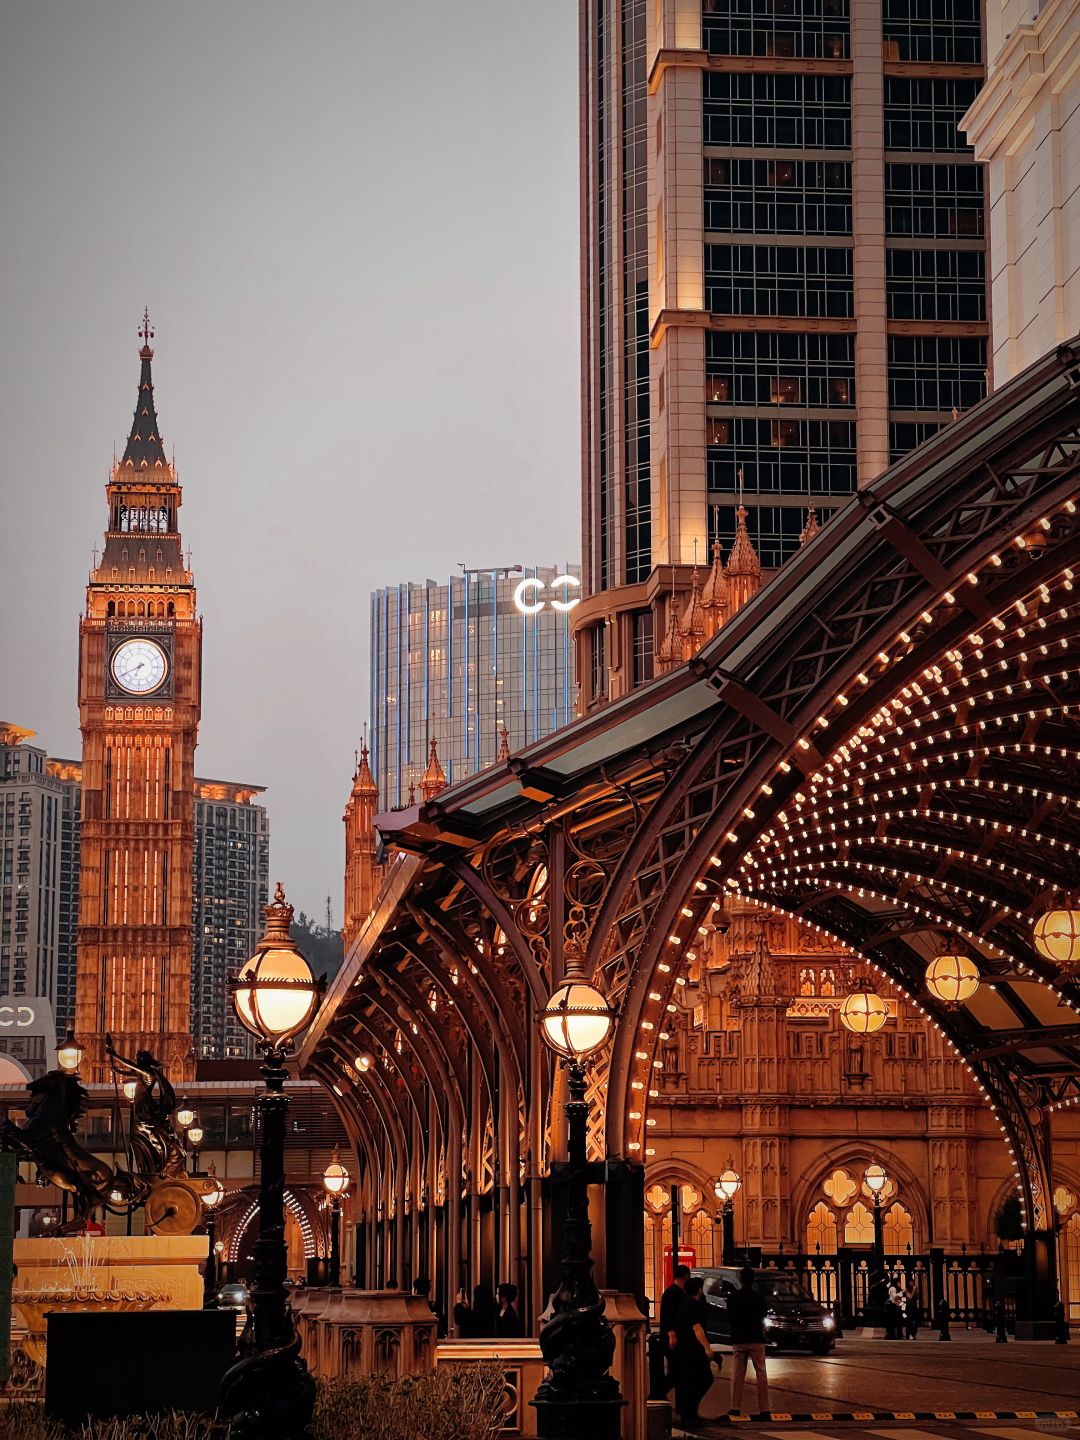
x: 821, y: 1230
x: 899, y: 1230
x: 858, y: 1225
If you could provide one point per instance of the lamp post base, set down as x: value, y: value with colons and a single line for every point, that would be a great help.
x: 573, y: 1419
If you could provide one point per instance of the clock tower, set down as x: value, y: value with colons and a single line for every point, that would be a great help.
x: 140, y: 649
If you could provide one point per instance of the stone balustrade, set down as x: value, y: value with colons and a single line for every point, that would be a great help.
x: 365, y: 1332
x: 523, y: 1366
x: 390, y: 1332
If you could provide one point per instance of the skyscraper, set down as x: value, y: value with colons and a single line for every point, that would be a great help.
x: 140, y: 675
x: 783, y: 284
x: 463, y: 661
x: 230, y: 888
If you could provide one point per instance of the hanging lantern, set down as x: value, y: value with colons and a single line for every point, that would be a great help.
x: 70, y: 1054
x: 1057, y: 937
x: 863, y: 1012
x: 952, y: 978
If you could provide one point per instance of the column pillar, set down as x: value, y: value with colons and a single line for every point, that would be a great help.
x: 868, y: 240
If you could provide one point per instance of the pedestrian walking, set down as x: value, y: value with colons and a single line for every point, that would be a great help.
x: 670, y: 1302
x: 693, y: 1354
x: 912, y: 1311
x: 746, y: 1315
x: 483, y: 1312
x: 894, y: 1313
x: 508, y: 1321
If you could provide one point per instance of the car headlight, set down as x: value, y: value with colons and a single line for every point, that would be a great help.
x: 829, y: 1323
x: 769, y: 1322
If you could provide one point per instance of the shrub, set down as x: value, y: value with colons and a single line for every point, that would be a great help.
x: 464, y: 1402
x: 26, y: 1420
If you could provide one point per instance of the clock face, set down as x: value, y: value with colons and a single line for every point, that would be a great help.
x: 139, y: 666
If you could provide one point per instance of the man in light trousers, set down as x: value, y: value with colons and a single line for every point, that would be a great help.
x: 746, y: 1312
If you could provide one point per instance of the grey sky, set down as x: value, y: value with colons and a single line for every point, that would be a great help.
x: 355, y: 225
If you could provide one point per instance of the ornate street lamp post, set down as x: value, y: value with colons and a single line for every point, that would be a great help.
x: 270, y: 1393
x: 580, y: 1399
x: 212, y: 1197
x: 195, y: 1137
x: 335, y: 1182
x: 726, y: 1188
x: 877, y: 1181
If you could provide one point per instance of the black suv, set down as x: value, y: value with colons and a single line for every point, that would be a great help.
x: 794, y: 1320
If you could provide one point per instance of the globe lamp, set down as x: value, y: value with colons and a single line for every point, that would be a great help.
x: 863, y: 1012
x: 728, y: 1185
x: 275, y: 994
x: 335, y: 1177
x: 214, y: 1192
x: 875, y: 1179
x: 1057, y: 938
x: 952, y: 978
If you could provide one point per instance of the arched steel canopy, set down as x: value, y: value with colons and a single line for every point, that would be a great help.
x: 882, y: 741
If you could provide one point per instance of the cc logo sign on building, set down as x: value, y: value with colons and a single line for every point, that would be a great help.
x: 526, y: 590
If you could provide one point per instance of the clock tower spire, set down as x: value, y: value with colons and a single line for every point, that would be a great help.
x: 140, y: 663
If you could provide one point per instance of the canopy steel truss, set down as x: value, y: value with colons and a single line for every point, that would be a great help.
x: 883, y: 742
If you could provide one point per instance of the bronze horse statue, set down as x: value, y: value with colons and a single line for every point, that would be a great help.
x: 47, y: 1137
x: 155, y: 1146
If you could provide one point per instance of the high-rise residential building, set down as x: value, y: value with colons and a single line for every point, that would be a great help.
x: 38, y: 864
x: 69, y: 774
x: 230, y: 888
x: 783, y: 281
x: 40, y: 809
x: 140, y: 676
x: 1025, y: 125
x: 481, y: 663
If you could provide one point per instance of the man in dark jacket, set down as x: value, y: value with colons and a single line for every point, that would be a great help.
x: 670, y: 1301
x: 693, y: 1353
x: 746, y: 1314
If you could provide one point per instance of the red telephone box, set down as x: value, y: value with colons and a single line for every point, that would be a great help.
x: 687, y: 1256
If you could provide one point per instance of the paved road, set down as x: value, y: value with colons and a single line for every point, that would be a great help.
x: 919, y: 1430
x: 921, y: 1376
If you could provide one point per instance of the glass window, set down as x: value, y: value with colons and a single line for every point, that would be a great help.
x: 642, y: 640
x: 812, y: 28
x: 925, y: 114
x: 936, y: 284
x: 933, y: 30
x: 783, y: 110
x: 789, y: 197
x: 933, y: 372
x: 933, y: 201
x: 779, y: 280
x: 752, y: 367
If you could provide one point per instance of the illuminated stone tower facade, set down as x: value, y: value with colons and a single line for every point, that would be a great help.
x: 362, y: 875
x: 140, y: 644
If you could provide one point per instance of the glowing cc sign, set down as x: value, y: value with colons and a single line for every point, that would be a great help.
x: 19, y: 1015
x: 526, y: 589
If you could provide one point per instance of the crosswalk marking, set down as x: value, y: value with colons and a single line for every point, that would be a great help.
x: 803, y: 1434
x: 907, y: 1433
x: 1010, y: 1432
